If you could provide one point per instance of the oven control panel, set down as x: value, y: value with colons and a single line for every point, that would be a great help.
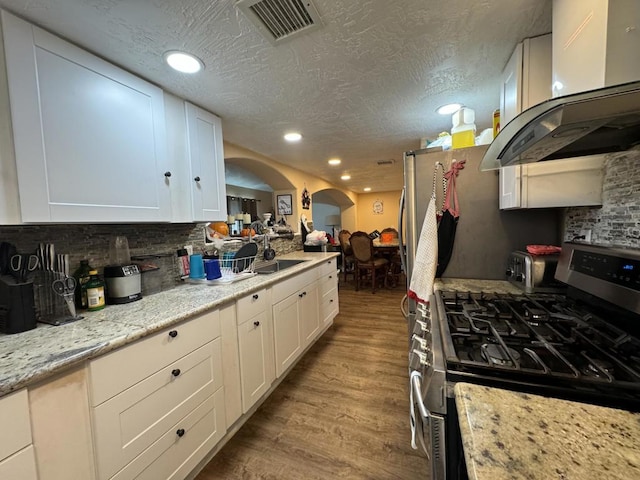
x: 618, y: 270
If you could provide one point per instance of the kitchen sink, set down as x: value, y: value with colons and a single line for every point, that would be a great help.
x: 278, y: 266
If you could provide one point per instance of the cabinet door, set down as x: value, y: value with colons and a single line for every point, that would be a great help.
x: 89, y: 137
x: 510, y: 87
x: 255, y: 374
x: 206, y: 157
x: 510, y: 187
x: 308, y: 311
x: 20, y: 466
x: 286, y: 333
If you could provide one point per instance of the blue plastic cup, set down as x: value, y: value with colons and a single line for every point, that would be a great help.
x: 212, y: 268
x: 196, y: 266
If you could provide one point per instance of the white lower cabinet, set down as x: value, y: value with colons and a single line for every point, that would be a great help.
x: 17, y: 460
x: 296, y: 317
x: 169, y: 419
x: 255, y: 347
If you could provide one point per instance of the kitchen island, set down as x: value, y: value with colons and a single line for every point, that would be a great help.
x: 512, y: 435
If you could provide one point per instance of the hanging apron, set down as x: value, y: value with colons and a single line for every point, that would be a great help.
x: 449, y: 221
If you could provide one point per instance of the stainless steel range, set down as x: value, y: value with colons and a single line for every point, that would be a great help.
x: 583, y: 345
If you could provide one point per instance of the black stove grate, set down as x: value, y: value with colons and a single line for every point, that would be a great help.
x: 544, y: 339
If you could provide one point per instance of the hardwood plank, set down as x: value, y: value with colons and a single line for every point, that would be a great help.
x: 342, y: 412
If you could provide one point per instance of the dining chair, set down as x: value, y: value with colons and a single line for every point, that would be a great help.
x: 395, y: 263
x: 366, y: 261
x: 348, y: 260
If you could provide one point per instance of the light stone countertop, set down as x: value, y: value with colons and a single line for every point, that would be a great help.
x: 512, y: 435
x: 475, y: 285
x: 31, y: 356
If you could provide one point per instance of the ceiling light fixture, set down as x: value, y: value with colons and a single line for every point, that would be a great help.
x: 449, y: 108
x: 345, y: 177
x: 335, y: 161
x: 292, y: 137
x: 367, y: 189
x: 183, y: 62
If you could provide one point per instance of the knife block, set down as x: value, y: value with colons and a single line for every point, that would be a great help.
x: 17, y: 308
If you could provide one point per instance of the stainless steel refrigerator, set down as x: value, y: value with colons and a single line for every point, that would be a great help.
x: 485, y: 235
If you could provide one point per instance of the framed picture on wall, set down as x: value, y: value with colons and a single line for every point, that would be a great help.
x: 285, y: 204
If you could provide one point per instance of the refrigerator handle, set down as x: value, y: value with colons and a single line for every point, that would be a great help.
x: 403, y: 258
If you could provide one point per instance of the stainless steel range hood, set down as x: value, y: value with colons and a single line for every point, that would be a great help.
x: 588, y: 123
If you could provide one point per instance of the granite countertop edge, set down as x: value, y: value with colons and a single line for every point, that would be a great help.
x: 513, y: 435
x: 32, y: 356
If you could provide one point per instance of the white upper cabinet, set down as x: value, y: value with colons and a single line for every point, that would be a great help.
x: 206, y: 160
x: 526, y: 81
x: 595, y: 44
x: 526, y: 78
x: 196, y: 158
x: 89, y: 137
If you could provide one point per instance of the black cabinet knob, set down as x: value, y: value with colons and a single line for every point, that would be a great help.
x: 197, y: 179
x: 300, y: 295
x: 330, y: 276
x: 175, y: 372
x: 173, y: 333
x: 167, y: 174
x: 256, y: 323
x: 256, y: 296
x: 331, y: 301
x: 180, y: 432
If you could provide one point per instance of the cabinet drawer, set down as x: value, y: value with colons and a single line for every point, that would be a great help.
x: 118, y: 370
x: 129, y: 423
x: 328, y: 267
x: 20, y: 466
x: 251, y: 305
x: 14, y: 418
x: 328, y: 281
x: 329, y: 305
x: 288, y: 287
x: 172, y: 457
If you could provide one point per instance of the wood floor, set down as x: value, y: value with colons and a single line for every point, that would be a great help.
x: 342, y: 412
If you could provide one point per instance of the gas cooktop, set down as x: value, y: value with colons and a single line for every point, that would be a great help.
x: 546, y: 340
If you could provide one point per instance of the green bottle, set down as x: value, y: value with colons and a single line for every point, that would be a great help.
x: 82, y: 276
x: 95, y: 292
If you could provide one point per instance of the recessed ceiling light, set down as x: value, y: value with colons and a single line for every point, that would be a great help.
x: 345, y: 177
x: 183, y: 62
x: 367, y: 189
x: 449, y: 108
x: 292, y: 137
x: 335, y: 161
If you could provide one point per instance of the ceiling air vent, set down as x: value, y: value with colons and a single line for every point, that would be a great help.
x: 386, y: 162
x: 281, y: 20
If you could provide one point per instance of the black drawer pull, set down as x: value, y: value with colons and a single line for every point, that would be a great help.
x: 256, y: 323
x: 173, y: 333
x: 256, y: 296
x: 176, y: 371
x: 167, y: 174
x: 180, y: 432
x: 300, y: 295
x: 331, y: 301
x: 330, y: 276
x: 197, y: 179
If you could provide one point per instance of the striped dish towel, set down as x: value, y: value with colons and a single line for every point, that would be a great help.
x: 424, y: 267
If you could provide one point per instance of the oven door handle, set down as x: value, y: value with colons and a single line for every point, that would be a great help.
x: 416, y: 391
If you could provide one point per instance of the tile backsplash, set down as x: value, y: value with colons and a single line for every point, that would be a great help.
x: 617, y: 221
x: 158, y: 241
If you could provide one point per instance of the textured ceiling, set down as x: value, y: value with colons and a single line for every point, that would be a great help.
x: 363, y: 87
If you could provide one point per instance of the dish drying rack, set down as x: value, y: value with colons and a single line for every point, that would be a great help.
x: 232, y: 270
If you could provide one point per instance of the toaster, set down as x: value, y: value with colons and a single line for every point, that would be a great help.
x: 533, y: 273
